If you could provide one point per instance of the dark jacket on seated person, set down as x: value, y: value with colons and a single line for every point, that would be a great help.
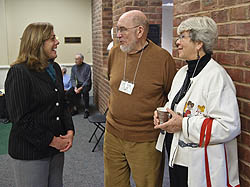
x: 81, y: 76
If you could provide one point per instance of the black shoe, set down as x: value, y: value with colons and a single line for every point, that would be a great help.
x: 86, y: 114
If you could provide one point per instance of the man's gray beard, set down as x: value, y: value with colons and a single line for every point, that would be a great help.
x: 129, y: 48
x: 125, y: 49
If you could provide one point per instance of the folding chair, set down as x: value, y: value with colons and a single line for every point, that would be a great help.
x: 99, y: 121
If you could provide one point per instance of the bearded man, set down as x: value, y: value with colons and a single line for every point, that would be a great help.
x: 140, y: 75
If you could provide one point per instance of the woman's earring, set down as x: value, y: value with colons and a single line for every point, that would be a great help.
x: 198, y: 54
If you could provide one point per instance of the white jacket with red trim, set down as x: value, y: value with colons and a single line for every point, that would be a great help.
x: 211, y: 94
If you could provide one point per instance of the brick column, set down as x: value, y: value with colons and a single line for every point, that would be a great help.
x: 101, y: 26
x: 105, y: 14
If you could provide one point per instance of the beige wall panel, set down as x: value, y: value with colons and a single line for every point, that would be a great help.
x: 3, y: 35
x: 71, y: 18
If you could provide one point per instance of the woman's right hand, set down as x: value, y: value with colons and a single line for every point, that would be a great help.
x: 59, y: 143
x: 173, y: 125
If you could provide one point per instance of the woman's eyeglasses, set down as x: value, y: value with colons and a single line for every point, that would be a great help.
x: 181, y: 37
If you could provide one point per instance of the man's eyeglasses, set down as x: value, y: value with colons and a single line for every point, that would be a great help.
x: 124, y: 29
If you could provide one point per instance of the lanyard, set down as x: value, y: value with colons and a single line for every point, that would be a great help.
x: 125, y: 67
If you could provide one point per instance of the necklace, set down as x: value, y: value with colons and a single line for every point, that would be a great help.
x: 183, y: 90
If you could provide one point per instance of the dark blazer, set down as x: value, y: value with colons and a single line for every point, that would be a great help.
x: 37, y: 110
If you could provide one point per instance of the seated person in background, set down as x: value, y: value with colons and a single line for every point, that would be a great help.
x: 81, y: 84
x: 66, y: 79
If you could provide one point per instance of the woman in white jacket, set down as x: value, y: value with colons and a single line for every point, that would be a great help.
x: 201, y: 90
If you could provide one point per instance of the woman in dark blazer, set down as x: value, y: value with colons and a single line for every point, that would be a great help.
x: 42, y: 127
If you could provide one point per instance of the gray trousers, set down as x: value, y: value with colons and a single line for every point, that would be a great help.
x: 47, y: 172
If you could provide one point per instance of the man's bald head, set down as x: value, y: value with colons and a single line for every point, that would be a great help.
x: 136, y: 17
x: 132, y: 31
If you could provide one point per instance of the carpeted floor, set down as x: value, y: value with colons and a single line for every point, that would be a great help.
x: 83, y: 168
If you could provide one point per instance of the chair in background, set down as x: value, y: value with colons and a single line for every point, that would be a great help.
x: 99, y: 121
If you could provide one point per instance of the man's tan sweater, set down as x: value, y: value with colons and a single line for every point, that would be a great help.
x: 130, y: 117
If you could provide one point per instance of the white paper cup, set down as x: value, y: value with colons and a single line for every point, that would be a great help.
x: 163, y: 114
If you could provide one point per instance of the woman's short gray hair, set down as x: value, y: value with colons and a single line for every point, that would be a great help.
x: 202, y: 29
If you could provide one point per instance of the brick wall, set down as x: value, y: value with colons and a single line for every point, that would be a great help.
x: 105, y: 14
x: 232, y: 49
x: 233, y: 52
x: 101, y: 26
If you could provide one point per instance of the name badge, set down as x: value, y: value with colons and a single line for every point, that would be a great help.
x: 126, y: 87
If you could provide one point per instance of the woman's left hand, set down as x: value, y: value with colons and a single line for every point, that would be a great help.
x: 172, y: 125
x: 69, y: 136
